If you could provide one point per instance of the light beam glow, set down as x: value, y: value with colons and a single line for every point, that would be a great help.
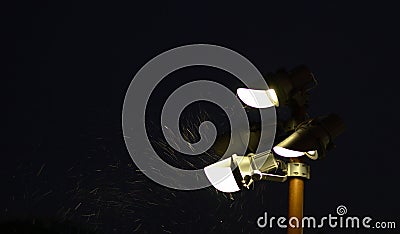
x: 258, y: 98
x: 287, y: 152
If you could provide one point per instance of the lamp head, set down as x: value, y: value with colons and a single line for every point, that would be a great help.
x: 311, y: 138
x: 234, y: 173
x: 285, y: 88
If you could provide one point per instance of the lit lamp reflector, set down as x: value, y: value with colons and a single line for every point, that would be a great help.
x: 311, y: 138
x: 258, y: 98
x: 221, y: 176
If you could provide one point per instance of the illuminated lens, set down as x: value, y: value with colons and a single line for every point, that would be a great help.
x: 287, y: 152
x: 221, y: 177
x: 258, y: 98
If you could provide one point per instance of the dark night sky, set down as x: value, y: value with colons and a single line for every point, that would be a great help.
x: 68, y: 66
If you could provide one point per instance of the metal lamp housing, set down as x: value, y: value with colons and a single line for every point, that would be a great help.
x: 312, y: 138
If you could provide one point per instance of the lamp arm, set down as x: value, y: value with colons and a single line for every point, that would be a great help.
x: 269, y: 177
x: 291, y: 169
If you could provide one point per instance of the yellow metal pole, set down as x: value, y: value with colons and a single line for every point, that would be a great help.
x: 296, y: 200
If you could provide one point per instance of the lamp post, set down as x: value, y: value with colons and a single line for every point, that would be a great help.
x: 291, y: 90
x: 305, y: 137
x: 296, y: 200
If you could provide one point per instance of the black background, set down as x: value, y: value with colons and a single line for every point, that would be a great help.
x: 65, y: 167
